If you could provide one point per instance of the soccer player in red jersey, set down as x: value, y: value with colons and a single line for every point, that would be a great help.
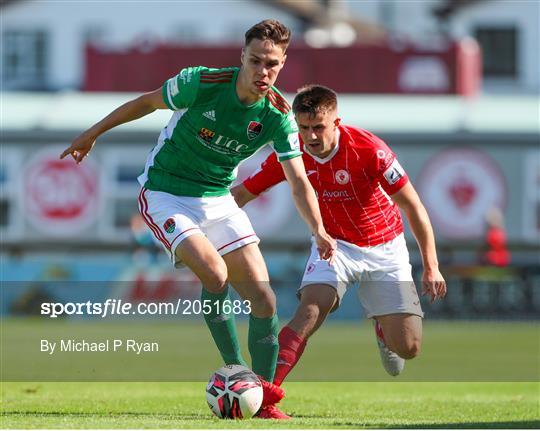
x: 360, y: 187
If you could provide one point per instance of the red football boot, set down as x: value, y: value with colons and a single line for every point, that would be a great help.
x: 272, y: 394
x: 271, y: 412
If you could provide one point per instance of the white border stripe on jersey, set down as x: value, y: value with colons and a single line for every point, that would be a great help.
x: 289, y: 153
x: 166, y: 133
x: 169, y: 94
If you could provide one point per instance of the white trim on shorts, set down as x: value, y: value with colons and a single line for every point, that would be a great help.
x: 227, y: 229
x: 240, y: 242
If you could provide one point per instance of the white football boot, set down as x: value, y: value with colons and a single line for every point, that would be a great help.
x: 392, y: 363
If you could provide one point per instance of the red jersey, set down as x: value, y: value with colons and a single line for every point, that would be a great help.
x: 497, y: 253
x: 352, y: 184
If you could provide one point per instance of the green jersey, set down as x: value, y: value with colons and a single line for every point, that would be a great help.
x: 211, y: 132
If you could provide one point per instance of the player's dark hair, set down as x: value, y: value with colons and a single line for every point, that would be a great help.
x: 313, y: 99
x: 270, y: 29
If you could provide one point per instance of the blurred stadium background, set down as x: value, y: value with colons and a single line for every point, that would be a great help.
x: 451, y: 85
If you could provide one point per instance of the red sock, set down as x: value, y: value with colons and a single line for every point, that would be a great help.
x: 291, y: 347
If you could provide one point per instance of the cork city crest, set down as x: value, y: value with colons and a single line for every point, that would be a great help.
x: 169, y: 225
x: 254, y: 129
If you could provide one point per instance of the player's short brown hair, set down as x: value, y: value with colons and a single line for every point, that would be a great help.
x: 313, y: 99
x: 270, y: 29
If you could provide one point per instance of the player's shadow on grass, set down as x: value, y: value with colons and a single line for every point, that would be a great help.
x: 334, y: 424
x: 535, y: 424
x: 473, y: 425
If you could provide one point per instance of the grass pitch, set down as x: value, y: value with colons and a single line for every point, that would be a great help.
x: 338, y: 352
x: 314, y: 405
x: 468, y: 354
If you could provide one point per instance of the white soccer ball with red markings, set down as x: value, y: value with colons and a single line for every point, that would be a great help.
x: 234, y: 392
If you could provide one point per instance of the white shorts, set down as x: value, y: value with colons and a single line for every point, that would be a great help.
x: 383, y: 272
x: 173, y: 218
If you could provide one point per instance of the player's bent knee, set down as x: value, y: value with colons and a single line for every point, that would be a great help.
x: 410, y: 349
x: 268, y: 302
x: 215, y: 280
x: 263, y: 302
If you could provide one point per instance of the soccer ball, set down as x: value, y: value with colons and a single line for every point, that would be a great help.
x: 234, y: 392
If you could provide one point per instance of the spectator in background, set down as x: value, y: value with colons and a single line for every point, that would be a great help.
x: 146, y: 248
x: 496, y: 253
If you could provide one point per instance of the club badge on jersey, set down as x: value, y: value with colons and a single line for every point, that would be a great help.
x: 254, y: 129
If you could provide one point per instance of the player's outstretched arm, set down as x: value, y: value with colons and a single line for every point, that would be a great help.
x: 265, y: 177
x: 306, y: 202
x: 132, y: 110
x: 242, y: 195
x: 432, y: 280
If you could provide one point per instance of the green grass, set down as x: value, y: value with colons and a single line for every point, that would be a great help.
x: 469, y: 375
x: 451, y: 352
x: 314, y: 405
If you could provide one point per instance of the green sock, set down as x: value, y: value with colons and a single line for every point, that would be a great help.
x: 263, y: 345
x: 223, y: 327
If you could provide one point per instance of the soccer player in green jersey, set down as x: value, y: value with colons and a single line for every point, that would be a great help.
x: 221, y: 117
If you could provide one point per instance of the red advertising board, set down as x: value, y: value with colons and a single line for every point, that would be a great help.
x: 60, y: 197
x: 369, y: 69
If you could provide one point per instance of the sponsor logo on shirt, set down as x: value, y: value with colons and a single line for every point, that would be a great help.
x: 310, y: 268
x: 211, y: 115
x: 222, y: 144
x: 386, y: 161
x: 254, y: 129
x: 169, y: 225
x: 394, y: 173
x: 230, y: 144
x: 310, y: 172
x: 206, y: 134
x: 336, y: 195
x: 342, y: 177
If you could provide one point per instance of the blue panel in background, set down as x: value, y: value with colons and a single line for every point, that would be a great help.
x: 89, y: 277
